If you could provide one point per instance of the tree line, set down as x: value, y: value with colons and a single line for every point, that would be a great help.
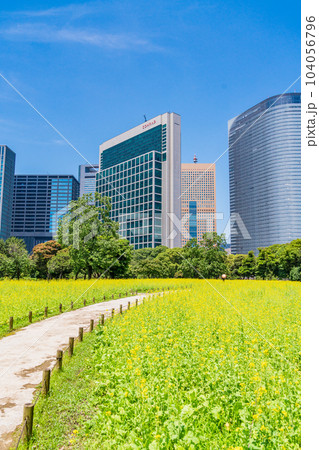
x: 88, y: 245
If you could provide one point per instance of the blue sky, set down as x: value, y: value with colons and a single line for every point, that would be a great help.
x: 93, y: 69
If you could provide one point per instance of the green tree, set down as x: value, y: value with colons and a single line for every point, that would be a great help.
x: 18, y: 262
x: 2, y: 247
x: 248, y: 266
x: 88, y: 219
x: 295, y: 274
x: 192, y: 256
x: 4, y: 265
x: 142, y: 265
x: 214, y: 262
x: 171, y: 261
x: 207, y: 259
x: 290, y: 258
x: 3, y: 259
x: 60, y: 265
x: 234, y: 263
x: 42, y: 254
x: 277, y: 261
x: 111, y: 257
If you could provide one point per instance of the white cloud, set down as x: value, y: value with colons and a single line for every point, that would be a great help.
x: 32, y: 32
x: 74, y: 10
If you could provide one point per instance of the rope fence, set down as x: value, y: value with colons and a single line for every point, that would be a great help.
x: 44, y: 313
x: 44, y: 386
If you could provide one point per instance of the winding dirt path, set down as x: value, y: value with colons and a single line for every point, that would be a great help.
x: 25, y: 354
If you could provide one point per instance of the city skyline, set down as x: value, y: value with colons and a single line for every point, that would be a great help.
x: 277, y: 233
x: 43, y: 47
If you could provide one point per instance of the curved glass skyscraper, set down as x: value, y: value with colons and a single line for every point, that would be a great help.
x: 264, y: 174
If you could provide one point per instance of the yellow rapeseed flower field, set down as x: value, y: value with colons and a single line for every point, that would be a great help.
x: 213, y: 365
x: 17, y: 298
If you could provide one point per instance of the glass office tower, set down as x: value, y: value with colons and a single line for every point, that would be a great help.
x: 264, y: 172
x: 87, y: 175
x: 37, y: 201
x: 7, y: 166
x: 140, y: 170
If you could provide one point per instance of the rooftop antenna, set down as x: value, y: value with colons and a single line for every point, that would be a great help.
x: 145, y: 118
x: 195, y: 159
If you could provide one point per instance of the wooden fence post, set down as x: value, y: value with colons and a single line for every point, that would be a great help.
x: 28, y: 420
x: 102, y: 319
x: 121, y: 309
x: 112, y: 313
x: 46, y: 381
x: 71, y: 346
x: 136, y: 302
x: 119, y: 295
x: 71, y: 305
x: 80, y: 334
x: 59, y: 357
x: 91, y: 325
x: 60, y: 307
x: 128, y: 305
x: 104, y: 297
x: 46, y: 311
x: 30, y: 316
x: 93, y: 300
x: 11, y: 323
x: 84, y: 302
x: 112, y: 296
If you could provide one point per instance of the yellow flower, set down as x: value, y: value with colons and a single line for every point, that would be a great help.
x: 108, y: 413
x: 75, y: 431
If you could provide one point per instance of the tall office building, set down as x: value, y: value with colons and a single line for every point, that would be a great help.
x: 87, y: 178
x: 264, y: 172
x: 7, y: 166
x: 140, y: 170
x: 37, y: 204
x: 198, y: 200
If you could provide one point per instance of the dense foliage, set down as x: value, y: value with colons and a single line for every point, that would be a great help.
x: 208, y: 259
x: 196, y: 260
x: 186, y: 371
